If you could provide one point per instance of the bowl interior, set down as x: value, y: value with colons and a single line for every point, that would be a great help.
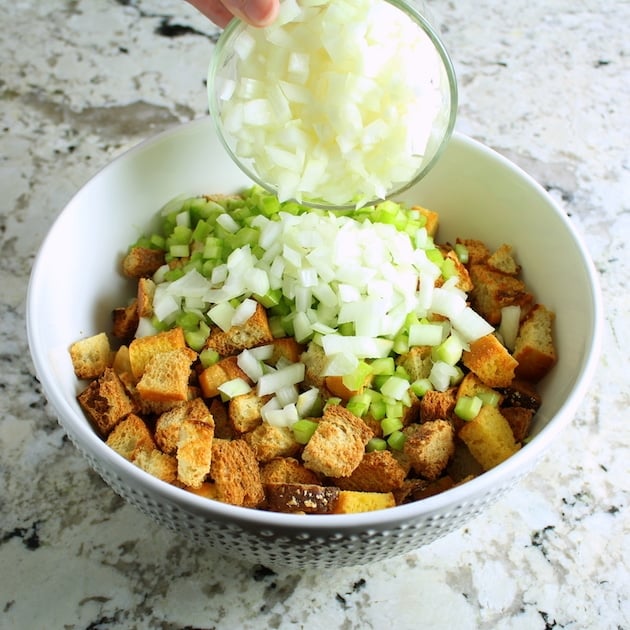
x: 76, y: 281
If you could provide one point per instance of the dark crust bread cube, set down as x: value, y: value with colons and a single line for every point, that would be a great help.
x: 106, y: 402
x: 301, y: 498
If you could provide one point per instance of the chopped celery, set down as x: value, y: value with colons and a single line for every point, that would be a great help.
x: 378, y: 409
x: 462, y: 253
x: 303, y: 430
x: 357, y: 379
x: 395, y: 409
x: 196, y: 339
x: 467, y: 407
x: 435, y: 256
x: 208, y: 357
x: 421, y: 386
x: 389, y: 425
x: 450, y: 350
x: 179, y: 251
x: 188, y: 321
x: 346, y: 329
x: 385, y: 366
x: 490, y: 398
x: 396, y: 441
x: 448, y: 268
x: 376, y: 444
x: 333, y: 400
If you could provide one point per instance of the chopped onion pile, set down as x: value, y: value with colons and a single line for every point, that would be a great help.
x: 360, y: 285
x: 337, y: 102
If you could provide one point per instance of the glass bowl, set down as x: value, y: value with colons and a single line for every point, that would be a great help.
x: 309, y: 119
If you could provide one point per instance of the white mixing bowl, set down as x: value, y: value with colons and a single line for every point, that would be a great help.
x: 479, y: 194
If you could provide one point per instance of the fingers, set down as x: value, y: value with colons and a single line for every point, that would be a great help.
x: 255, y: 12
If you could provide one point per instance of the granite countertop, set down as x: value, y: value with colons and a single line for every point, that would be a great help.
x: 546, y: 84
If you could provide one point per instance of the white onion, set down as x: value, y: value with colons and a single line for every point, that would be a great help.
x: 250, y: 364
x: 234, y: 387
x: 360, y: 347
x: 441, y: 375
x: 510, y: 322
x: 356, y: 79
x: 222, y: 314
x: 284, y: 377
x: 470, y: 325
x: 243, y: 312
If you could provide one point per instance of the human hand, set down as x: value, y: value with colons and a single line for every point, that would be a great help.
x: 255, y: 12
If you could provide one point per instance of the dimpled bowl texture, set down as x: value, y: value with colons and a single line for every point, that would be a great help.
x: 76, y: 282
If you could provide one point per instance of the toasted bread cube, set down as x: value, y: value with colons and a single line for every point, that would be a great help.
x: 207, y: 490
x: 125, y: 321
x: 352, y: 502
x: 121, y: 364
x: 436, y: 405
x: 153, y: 407
x: 492, y: 290
x: 236, y: 474
x: 464, y: 282
x: 145, y: 293
x: 429, y: 447
x: 521, y: 393
x: 142, y: 262
x: 245, y: 411
x: 301, y: 498
x: 490, y: 361
x: 286, y: 348
x: 219, y: 373
x: 378, y: 471
x: 222, y: 427
x: 142, y: 349
x: 432, y: 218
x: 519, y: 419
x: 315, y: 360
x: 168, y: 424
x: 194, y: 451
x: 417, y: 362
x: 158, y: 464
x: 166, y: 375
x: 478, y: 253
x: 489, y: 437
x: 336, y: 386
x: 130, y: 436
x: 287, y: 470
x: 267, y: 442
x: 106, y: 402
x: 534, y: 348
x: 254, y: 332
x: 338, y: 444
x: 90, y: 356
x: 502, y: 260
x: 471, y: 385
x: 418, y: 489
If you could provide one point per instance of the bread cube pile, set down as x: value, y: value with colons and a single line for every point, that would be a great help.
x: 152, y: 401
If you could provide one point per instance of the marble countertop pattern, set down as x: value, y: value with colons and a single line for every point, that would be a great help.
x: 546, y: 84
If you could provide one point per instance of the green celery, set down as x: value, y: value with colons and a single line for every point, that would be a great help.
x: 396, y: 441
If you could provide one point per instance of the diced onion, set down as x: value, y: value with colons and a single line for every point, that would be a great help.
x: 272, y: 382
x: 510, y: 322
x: 357, y: 80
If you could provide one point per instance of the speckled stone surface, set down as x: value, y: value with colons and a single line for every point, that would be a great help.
x: 546, y: 84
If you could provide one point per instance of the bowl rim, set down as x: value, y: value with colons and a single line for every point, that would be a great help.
x: 86, y: 439
x: 236, y: 26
